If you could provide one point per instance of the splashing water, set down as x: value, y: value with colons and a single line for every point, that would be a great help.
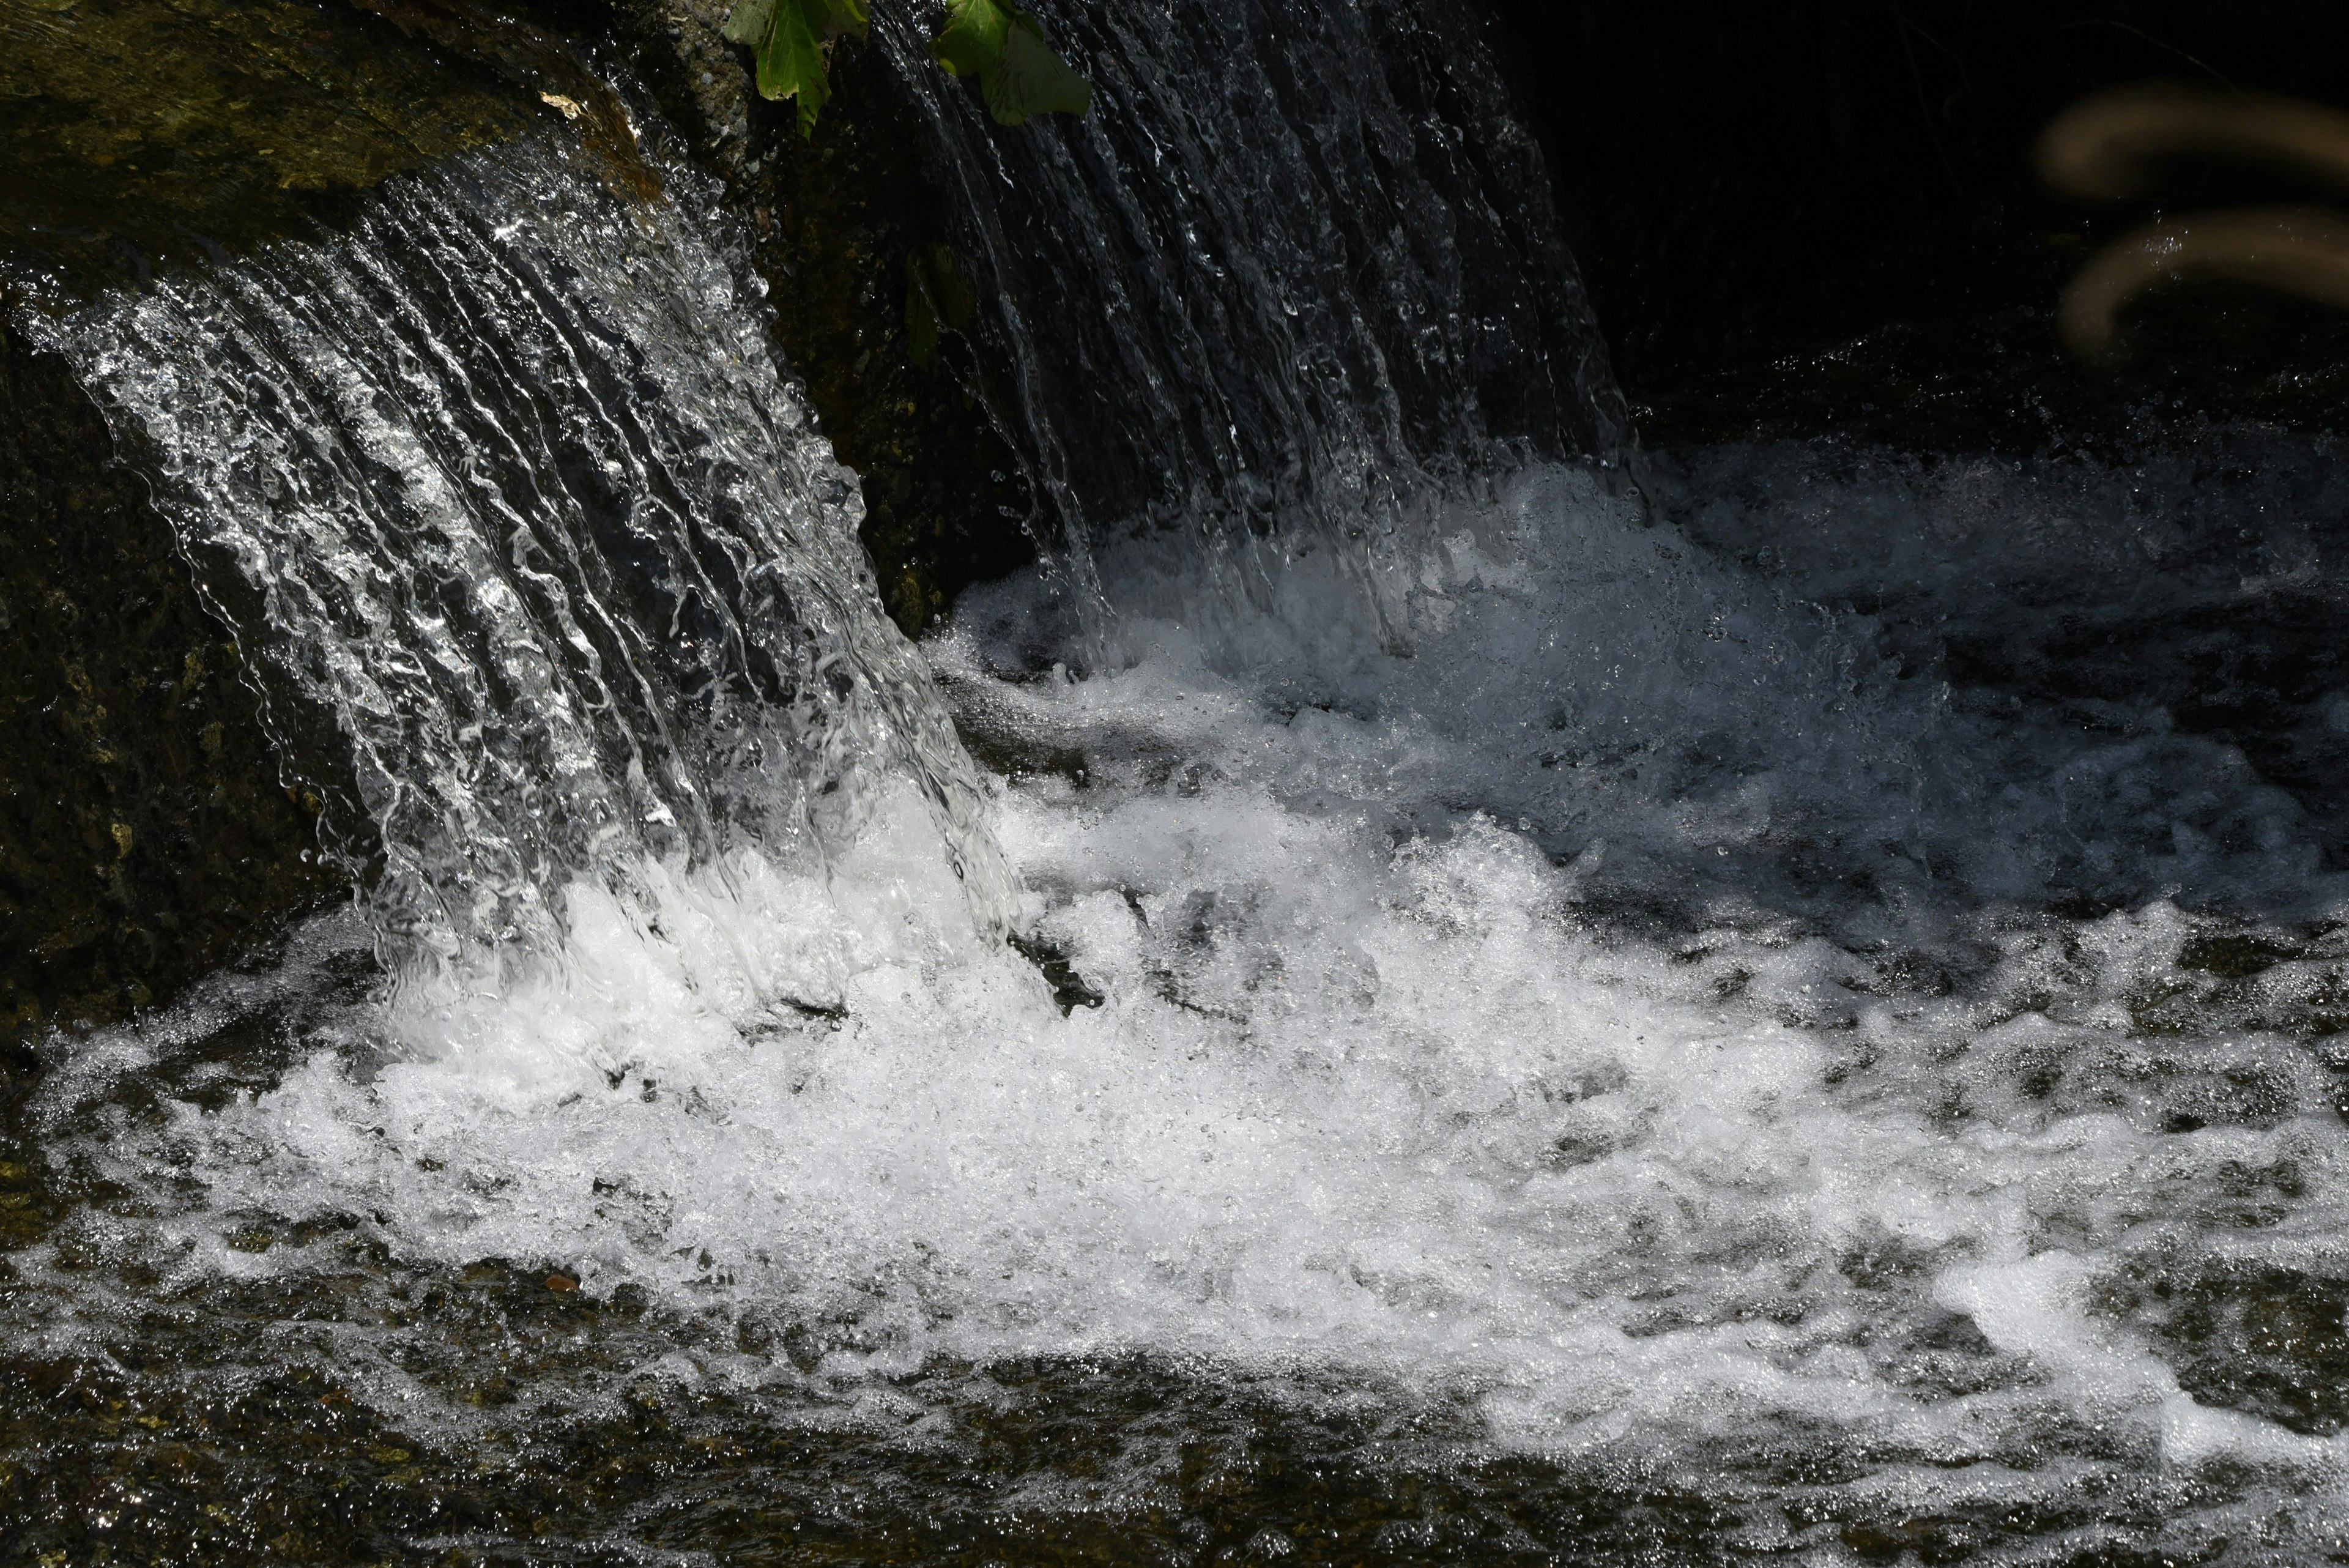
x: 1295, y: 282
x: 1385, y: 1074
x: 532, y: 514
x: 1614, y: 1045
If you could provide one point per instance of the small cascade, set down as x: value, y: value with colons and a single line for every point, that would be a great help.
x: 1782, y: 1033
x: 1295, y: 283
x: 533, y: 512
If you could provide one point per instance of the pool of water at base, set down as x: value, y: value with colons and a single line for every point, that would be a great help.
x: 1675, y: 1065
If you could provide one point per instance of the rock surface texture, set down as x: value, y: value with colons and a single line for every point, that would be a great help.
x: 146, y: 833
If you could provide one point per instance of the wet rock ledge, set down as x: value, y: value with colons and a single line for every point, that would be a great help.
x: 146, y: 835
x: 151, y: 829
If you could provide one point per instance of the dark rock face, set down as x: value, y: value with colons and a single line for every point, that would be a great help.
x: 841, y: 235
x: 1746, y: 181
x: 1824, y: 218
x: 146, y: 835
x: 838, y: 231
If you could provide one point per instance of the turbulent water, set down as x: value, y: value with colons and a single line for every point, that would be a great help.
x: 1297, y: 282
x: 532, y: 514
x: 1793, y: 1017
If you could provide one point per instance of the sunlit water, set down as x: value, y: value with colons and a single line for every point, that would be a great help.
x: 1793, y: 1017
x: 534, y: 516
x: 1650, y: 1032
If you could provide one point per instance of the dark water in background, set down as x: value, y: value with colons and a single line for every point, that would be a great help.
x: 1793, y: 1022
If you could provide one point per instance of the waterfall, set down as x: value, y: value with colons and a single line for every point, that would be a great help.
x: 1534, y: 1031
x: 534, y: 513
x: 1296, y: 281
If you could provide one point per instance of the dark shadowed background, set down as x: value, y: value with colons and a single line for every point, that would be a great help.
x: 1747, y: 182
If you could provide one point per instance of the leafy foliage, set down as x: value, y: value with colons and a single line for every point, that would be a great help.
x: 1004, y: 47
x: 1017, y: 69
x: 939, y: 299
x: 792, y: 42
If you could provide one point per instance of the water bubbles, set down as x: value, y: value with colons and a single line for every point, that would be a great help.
x: 1318, y: 1070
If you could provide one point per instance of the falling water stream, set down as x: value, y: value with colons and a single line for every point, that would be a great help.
x: 1756, y: 1020
x: 534, y: 516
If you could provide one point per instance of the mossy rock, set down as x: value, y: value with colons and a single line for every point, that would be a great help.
x: 177, y: 126
x: 147, y: 832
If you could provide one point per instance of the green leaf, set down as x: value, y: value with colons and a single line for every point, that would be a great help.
x: 1018, y: 71
x: 937, y: 298
x: 791, y: 64
x: 748, y: 22
x: 792, y: 40
x: 972, y: 43
x: 1005, y: 50
x: 844, y: 16
x: 1030, y: 79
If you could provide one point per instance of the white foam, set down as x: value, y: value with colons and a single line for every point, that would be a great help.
x: 1376, y: 1084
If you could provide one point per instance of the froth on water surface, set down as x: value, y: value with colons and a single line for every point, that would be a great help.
x: 1637, y: 1077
